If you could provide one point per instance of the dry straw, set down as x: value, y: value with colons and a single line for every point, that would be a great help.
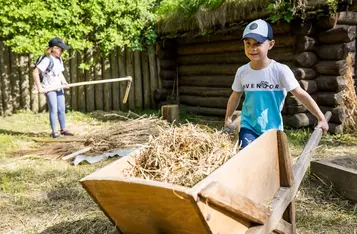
x: 350, y: 99
x: 183, y: 155
x: 123, y: 134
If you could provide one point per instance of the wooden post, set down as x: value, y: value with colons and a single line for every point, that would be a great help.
x: 15, y: 80
x: 73, y: 74
x: 68, y: 78
x: 25, y: 82
x: 170, y: 113
x: 115, y: 73
x: 153, y: 74
x: 130, y: 72
x: 146, y: 79
x: 89, y: 76
x: 34, y: 96
x: 122, y: 73
x: 81, y: 95
x: 107, y: 87
x: 98, y: 75
x: 6, y: 87
x: 138, y: 85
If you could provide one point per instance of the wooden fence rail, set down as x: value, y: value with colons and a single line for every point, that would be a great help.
x: 16, y: 82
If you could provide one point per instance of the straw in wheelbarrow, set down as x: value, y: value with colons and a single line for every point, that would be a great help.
x: 183, y: 155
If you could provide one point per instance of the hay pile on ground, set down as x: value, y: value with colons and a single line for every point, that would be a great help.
x: 124, y: 134
x: 350, y: 99
x: 183, y: 155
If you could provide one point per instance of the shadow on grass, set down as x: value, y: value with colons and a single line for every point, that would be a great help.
x: 88, y: 226
x: 28, y: 134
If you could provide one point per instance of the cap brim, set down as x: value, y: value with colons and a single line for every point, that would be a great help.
x: 257, y: 37
x: 63, y: 46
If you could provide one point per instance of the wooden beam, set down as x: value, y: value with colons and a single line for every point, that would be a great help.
x: 286, y: 174
x: 230, y: 201
x: 283, y: 228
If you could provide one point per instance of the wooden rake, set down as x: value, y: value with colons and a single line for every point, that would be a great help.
x: 128, y: 78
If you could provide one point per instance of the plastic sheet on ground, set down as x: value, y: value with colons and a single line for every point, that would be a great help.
x: 95, y: 159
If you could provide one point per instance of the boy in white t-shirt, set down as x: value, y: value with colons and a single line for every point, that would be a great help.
x: 265, y: 84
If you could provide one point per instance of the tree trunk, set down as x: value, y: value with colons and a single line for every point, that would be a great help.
x: 330, y: 83
x: 328, y: 99
x: 332, y: 67
x: 336, y: 51
x: 305, y: 43
x: 339, y: 34
x: 309, y: 86
x: 305, y: 59
x: 170, y: 113
x: 211, y: 69
x: 208, y: 81
x: 205, y: 91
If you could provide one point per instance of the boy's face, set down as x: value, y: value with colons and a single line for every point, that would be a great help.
x: 57, y: 51
x: 257, y: 51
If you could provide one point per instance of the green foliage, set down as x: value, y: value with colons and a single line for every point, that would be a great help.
x: 27, y: 26
x: 282, y: 11
x: 186, y: 7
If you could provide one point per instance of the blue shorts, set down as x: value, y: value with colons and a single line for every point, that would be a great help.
x: 246, y: 136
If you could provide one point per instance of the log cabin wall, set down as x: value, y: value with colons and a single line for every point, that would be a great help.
x: 167, y: 92
x: 316, y: 52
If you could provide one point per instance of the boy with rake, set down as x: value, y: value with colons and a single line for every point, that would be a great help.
x: 265, y: 84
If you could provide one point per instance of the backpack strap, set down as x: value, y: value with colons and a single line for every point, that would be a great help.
x: 50, y: 65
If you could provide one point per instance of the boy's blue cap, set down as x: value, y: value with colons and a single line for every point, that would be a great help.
x: 58, y: 42
x: 258, y: 30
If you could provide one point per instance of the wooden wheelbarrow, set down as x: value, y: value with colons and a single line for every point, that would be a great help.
x: 253, y: 192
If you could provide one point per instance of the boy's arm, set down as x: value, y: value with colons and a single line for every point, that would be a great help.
x: 232, y: 105
x: 311, y: 105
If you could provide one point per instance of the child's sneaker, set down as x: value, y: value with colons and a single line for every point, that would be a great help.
x: 66, y: 133
x: 55, y: 135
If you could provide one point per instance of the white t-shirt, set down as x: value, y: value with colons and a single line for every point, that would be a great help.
x: 265, y: 91
x: 52, y: 78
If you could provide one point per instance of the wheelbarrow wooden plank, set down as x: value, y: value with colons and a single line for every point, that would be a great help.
x: 232, y: 202
x: 142, y: 206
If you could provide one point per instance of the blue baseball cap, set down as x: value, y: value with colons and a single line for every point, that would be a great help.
x: 258, y: 30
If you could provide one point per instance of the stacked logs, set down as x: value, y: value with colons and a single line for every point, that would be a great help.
x: 324, y: 77
x: 207, y: 66
x: 167, y: 62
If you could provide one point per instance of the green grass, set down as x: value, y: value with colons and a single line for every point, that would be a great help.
x: 45, y: 196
